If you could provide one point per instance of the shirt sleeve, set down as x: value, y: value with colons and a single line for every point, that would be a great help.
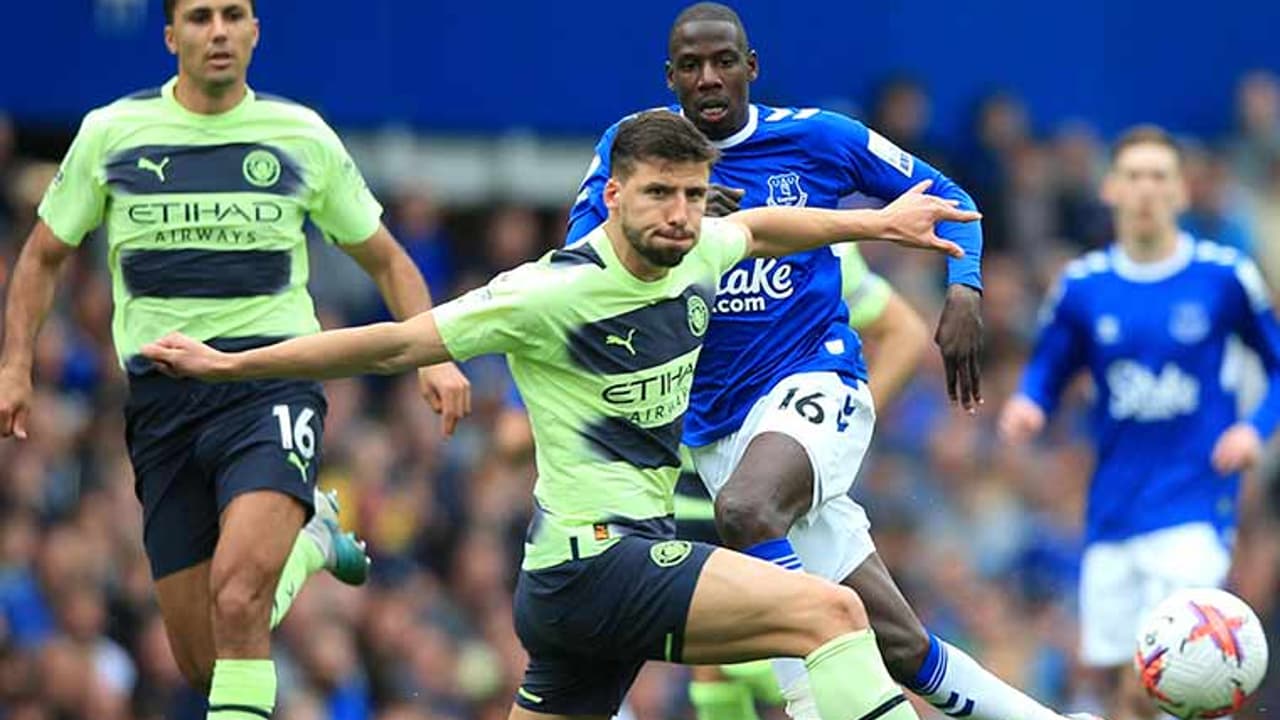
x: 588, y: 211
x: 1255, y: 321
x: 1058, y: 351
x: 724, y: 241
x: 872, y: 165
x: 865, y: 293
x: 77, y: 198
x: 344, y: 209
x: 507, y: 316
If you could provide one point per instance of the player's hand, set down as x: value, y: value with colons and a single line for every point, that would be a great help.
x: 448, y: 392
x: 722, y: 200
x: 1020, y: 420
x: 1238, y: 449
x: 911, y: 220
x: 177, y: 355
x: 959, y: 338
x: 15, y: 397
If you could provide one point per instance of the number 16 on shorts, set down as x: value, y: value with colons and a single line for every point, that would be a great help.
x: 297, y: 437
x: 832, y: 420
x: 818, y: 408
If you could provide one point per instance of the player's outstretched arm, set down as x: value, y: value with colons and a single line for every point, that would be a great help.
x: 381, y: 348
x: 910, y: 221
x: 31, y: 293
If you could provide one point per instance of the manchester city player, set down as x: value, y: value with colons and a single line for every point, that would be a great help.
x: 780, y: 416
x: 1150, y: 319
x: 602, y: 340
x: 203, y: 186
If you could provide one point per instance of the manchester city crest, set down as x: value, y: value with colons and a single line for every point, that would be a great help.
x: 669, y: 553
x: 699, y: 315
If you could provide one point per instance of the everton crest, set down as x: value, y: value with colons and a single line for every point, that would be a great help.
x: 785, y: 190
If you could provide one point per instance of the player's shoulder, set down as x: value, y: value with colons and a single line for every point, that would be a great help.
x: 612, y: 130
x: 563, y: 268
x: 1211, y: 254
x: 139, y: 105
x: 804, y: 121
x: 582, y: 255
x: 1093, y: 269
x: 278, y: 109
x: 1229, y: 266
x: 1092, y: 265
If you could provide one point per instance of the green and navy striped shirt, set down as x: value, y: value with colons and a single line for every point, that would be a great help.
x: 204, y: 213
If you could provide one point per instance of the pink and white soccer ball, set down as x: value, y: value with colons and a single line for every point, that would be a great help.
x: 1201, y: 653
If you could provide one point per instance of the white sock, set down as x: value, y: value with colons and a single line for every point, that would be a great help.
x: 958, y: 686
x: 794, y: 682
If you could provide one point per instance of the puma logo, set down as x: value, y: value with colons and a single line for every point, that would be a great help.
x: 626, y: 343
x: 158, y: 169
x: 297, y: 462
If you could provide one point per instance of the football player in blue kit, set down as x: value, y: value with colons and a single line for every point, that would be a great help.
x: 1150, y: 319
x: 780, y: 415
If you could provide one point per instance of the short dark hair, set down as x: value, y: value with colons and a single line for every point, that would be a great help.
x: 1146, y: 135
x: 658, y: 135
x: 709, y: 11
x: 171, y: 5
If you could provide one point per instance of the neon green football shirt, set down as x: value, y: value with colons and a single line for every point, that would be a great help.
x: 204, y: 213
x: 866, y: 293
x: 604, y: 362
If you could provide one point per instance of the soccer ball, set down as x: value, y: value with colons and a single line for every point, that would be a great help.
x: 1201, y: 652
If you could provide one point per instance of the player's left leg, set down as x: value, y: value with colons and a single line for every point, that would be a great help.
x: 778, y: 467
x: 263, y: 456
x: 257, y: 533
x: 943, y: 675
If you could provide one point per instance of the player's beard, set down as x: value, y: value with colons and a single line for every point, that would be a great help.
x: 659, y: 257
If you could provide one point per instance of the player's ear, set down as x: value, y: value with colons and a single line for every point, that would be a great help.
x: 611, y: 189
x: 753, y: 65
x: 669, y: 70
x: 257, y: 32
x: 169, y: 41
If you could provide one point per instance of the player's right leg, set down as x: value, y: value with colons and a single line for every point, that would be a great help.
x: 942, y: 674
x: 321, y: 544
x: 180, y: 519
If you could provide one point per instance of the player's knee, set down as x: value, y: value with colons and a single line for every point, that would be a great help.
x: 837, y: 610
x: 242, y: 596
x: 743, y: 520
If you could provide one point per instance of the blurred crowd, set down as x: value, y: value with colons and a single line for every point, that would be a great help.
x: 984, y: 539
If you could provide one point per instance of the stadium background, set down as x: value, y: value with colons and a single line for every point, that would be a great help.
x: 474, y: 124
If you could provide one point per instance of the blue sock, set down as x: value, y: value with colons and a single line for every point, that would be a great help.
x: 959, y: 687
x: 929, y: 676
x: 777, y: 551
